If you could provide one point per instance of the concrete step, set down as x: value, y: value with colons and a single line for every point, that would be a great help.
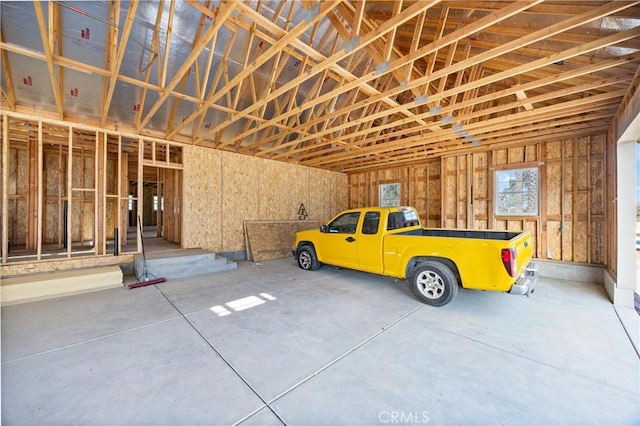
x: 25, y: 288
x: 181, y: 263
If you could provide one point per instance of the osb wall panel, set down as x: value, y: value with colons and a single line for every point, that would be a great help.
x: 273, y: 239
x: 327, y: 193
x: 223, y: 189
x: 240, y: 197
x: 202, y: 199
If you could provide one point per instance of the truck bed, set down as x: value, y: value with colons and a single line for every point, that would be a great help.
x: 458, y: 233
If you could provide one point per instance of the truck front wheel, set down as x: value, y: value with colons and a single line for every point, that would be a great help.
x: 434, y: 283
x: 307, y: 258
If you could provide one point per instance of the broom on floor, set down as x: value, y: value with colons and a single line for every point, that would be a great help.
x: 144, y: 279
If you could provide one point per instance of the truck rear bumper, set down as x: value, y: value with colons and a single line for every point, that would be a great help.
x: 527, y: 282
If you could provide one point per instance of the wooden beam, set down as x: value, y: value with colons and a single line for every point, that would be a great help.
x: 167, y: 45
x: 47, y: 45
x: 504, y: 13
x: 111, y: 51
x: 153, y: 51
x: 191, y: 58
x: 115, y: 65
x: 603, y: 42
x: 9, y: 96
x: 263, y: 58
x: 357, y: 17
x: 564, y: 108
x: 5, y: 188
x: 331, y: 62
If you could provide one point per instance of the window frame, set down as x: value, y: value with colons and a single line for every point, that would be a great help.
x: 381, y: 191
x: 498, y: 212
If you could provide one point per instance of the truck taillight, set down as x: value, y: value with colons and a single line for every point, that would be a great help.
x: 509, y: 261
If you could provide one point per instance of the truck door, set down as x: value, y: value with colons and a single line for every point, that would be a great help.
x: 340, y: 241
x: 370, y: 244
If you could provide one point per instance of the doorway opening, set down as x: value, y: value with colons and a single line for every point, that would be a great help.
x: 159, y: 216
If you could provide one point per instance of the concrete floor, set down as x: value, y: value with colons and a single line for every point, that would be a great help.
x: 269, y: 343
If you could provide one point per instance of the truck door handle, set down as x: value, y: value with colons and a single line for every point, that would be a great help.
x: 349, y: 239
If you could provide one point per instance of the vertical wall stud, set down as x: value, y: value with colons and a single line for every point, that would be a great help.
x: 69, y: 191
x: 40, y: 192
x: 5, y: 188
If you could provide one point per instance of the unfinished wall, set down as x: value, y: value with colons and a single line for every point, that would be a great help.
x: 420, y: 187
x: 223, y: 189
x: 458, y: 192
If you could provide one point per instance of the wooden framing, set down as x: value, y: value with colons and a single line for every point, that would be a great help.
x: 571, y: 223
x: 80, y: 157
x: 429, y: 93
x: 372, y: 73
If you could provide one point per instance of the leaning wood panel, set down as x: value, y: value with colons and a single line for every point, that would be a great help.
x: 273, y: 239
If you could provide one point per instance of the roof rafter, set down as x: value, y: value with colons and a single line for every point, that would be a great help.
x: 48, y: 46
x: 115, y: 65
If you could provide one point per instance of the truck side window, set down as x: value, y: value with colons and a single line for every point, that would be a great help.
x: 395, y: 220
x: 345, y: 224
x: 371, y: 223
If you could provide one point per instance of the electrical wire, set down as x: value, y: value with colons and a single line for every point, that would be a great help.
x: 111, y: 24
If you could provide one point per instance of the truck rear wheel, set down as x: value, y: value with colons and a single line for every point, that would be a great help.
x: 307, y: 258
x: 434, y: 283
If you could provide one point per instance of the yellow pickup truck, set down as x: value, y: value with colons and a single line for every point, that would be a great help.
x: 390, y: 241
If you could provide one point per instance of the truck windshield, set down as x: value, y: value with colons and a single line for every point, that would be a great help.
x: 402, y: 219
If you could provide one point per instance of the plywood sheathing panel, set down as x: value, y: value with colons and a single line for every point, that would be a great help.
x: 223, y: 189
x: 240, y: 197
x: 202, y: 204
x: 274, y: 239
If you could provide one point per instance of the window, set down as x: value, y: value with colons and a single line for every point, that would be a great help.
x: 155, y: 203
x: 517, y: 192
x: 371, y: 223
x: 402, y: 219
x: 389, y: 194
x: 130, y: 203
x: 345, y: 224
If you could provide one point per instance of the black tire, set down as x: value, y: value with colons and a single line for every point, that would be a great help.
x: 307, y: 258
x: 434, y: 283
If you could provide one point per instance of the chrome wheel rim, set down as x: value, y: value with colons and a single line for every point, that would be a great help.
x: 305, y: 260
x: 430, y: 285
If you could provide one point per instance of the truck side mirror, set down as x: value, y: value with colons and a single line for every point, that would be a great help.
x: 324, y: 229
